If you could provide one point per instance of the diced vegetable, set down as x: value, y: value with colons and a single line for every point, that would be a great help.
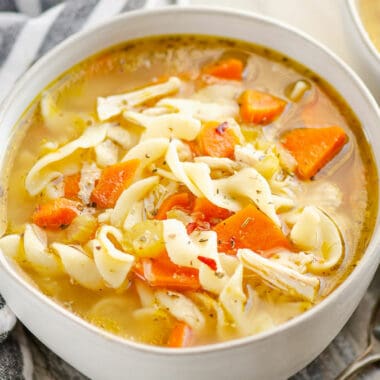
x: 198, y: 225
x: 210, y: 262
x: 313, y: 148
x: 194, y: 148
x: 82, y: 229
x: 250, y: 134
x: 217, y: 140
x: 161, y: 272
x: 113, y: 180
x: 250, y: 228
x: 259, y: 107
x: 181, y: 335
x: 268, y: 166
x: 296, y: 90
x: 71, y: 186
x: 55, y: 214
x: 231, y: 68
x: 183, y: 201
x: 265, y: 161
x: 205, y: 210
x: 147, y: 238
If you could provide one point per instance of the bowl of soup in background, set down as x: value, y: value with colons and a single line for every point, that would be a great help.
x: 275, y: 354
x: 362, y: 27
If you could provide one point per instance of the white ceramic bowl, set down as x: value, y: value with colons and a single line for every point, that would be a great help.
x: 276, y: 354
x: 366, y: 55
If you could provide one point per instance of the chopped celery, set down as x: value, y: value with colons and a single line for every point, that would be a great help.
x: 82, y: 229
x: 147, y: 238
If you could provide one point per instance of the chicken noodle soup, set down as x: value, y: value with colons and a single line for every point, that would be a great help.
x: 187, y: 190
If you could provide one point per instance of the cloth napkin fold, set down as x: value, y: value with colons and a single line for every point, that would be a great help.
x: 28, y: 29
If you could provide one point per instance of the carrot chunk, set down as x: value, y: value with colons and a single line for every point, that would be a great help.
x: 57, y: 213
x: 181, y: 335
x: 217, y: 140
x: 205, y: 210
x: 194, y: 147
x: 161, y: 272
x: 249, y: 228
x: 231, y: 68
x: 313, y: 148
x: 259, y: 107
x: 113, y: 180
x: 71, y: 186
x: 183, y: 201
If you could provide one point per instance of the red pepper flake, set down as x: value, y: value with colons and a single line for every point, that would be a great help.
x: 191, y: 227
x: 221, y: 128
x: 198, y: 225
x: 211, y: 263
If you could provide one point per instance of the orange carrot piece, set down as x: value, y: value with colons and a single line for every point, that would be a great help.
x: 183, y: 201
x: 113, y: 180
x: 205, y: 210
x: 71, y: 186
x: 217, y: 140
x: 313, y: 148
x: 194, y: 147
x: 249, y: 228
x: 57, y: 213
x: 161, y: 272
x: 231, y: 68
x: 259, y: 107
x: 181, y: 335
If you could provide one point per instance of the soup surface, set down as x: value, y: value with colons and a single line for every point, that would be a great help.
x: 370, y: 13
x: 187, y: 190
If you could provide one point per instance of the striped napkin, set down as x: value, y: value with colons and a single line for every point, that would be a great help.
x: 30, y: 28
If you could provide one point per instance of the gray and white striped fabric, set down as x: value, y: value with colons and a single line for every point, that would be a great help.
x: 39, y: 25
x: 28, y: 29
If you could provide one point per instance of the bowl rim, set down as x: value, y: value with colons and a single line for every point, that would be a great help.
x: 353, y: 8
x: 368, y: 256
